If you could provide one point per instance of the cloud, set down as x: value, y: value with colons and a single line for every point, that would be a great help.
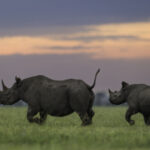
x: 101, y: 38
x: 123, y: 30
x: 115, y: 41
x: 70, y: 12
x: 67, y: 48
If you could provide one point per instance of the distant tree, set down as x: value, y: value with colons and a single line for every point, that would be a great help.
x: 102, y: 99
x: 20, y: 103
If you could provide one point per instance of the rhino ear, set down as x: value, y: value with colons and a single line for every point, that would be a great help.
x: 18, y: 81
x: 124, y: 84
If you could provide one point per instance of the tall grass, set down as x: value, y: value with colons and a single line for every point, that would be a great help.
x: 108, y: 131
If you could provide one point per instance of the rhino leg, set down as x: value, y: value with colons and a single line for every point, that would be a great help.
x: 86, y: 120
x: 91, y: 114
x: 90, y: 111
x: 128, y: 115
x: 147, y: 119
x: 30, y: 115
x: 43, y: 116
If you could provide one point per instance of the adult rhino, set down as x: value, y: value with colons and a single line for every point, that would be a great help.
x: 137, y: 97
x: 46, y: 96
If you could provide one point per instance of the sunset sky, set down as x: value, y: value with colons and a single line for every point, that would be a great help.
x: 72, y: 38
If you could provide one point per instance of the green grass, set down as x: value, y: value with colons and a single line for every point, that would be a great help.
x: 109, y: 131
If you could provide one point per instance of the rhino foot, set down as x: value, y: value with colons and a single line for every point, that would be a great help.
x: 132, y: 122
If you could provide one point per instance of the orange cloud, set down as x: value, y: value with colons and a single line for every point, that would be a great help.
x: 126, y: 40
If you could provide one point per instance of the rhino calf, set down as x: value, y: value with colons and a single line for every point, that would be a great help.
x: 137, y: 97
x: 46, y: 96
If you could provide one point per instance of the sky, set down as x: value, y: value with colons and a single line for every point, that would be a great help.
x: 73, y: 38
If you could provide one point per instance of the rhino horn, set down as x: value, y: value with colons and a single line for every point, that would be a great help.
x: 4, y: 86
x: 110, y: 91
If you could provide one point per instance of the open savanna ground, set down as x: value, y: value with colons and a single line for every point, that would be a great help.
x: 108, y: 131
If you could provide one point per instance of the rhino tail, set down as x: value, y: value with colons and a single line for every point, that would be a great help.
x: 93, y: 85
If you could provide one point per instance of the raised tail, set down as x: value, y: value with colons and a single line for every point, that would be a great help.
x: 93, y: 85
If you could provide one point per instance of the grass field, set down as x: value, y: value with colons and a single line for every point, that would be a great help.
x: 109, y: 131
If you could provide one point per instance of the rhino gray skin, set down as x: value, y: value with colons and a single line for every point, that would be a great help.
x: 137, y: 97
x: 47, y: 96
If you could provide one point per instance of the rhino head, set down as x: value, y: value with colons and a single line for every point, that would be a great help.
x: 118, y: 97
x: 10, y: 95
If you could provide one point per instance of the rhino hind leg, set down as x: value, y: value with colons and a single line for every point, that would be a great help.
x: 30, y: 115
x: 86, y: 120
x: 91, y: 113
x: 129, y: 113
x: 43, y: 116
x: 147, y: 119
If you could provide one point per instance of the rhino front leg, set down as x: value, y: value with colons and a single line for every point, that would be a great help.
x: 30, y: 115
x: 128, y: 115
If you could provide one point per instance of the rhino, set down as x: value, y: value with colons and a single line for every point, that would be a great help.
x: 137, y: 96
x: 47, y: 96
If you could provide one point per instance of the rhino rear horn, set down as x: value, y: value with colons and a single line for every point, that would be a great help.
x: 124, y: 84
x: 4, y: 86
x: 18, y: 81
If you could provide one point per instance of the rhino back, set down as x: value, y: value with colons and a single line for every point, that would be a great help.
x: 139, y: 97
x: 54, y: 96
x: 144, y: 100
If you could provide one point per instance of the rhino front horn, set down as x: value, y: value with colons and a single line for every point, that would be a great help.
x: 109, y: 91
x: 4, y: 86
